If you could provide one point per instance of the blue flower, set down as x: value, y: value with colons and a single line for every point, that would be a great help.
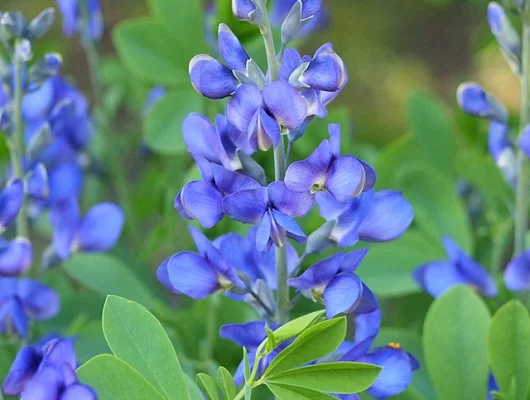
x: 199, y: 275
x: 98, y: 230
x: 477, y: 102
x: 47, y: 372
x: 11, y: 199
x: 517, y: 272
x: 507, y: 37
x: 281, y: 9
x: 272, y: 209
x: 263, y: 113
x: 502, y: 151
x: 247, y: 10
x: 326, y: 170
x: 333, y: 282
x: 492, y: 387
x: 299, y: 16
x: 15, y: 256
x: 438, y: 276
x: 73, y: 22
x: 23, y: 299
x: 373, y: 216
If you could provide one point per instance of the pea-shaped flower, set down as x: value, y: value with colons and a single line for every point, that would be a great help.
x: 72, y: 18
x: 477, y: 102
x: 517, y: 272
x: 15, y: 256
x: 11, y: 199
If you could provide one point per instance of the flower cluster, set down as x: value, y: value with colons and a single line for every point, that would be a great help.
x: 265, y: 109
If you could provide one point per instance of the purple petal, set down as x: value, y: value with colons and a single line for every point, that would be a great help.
x: 100, y: 228
x: 329, y: 207
x: 243, y: 8
x: 249, y: 334
x: 177, y: 203
x: 244, y: 104
x: 40, y: 301
x: 234, y: 248
x: 11, y: 199
x: 15, y: 257
x: 59, y: 351
x: 192, y: 275
x: 211, y: 78
x: 475, y: 101
x: 45, y: 385
x: 366, y: 328
x: 78, y: 392
x: 524, y: 141
x: 64, y: 218
x: 325, y: 72
x: 345, y: 178
x: 310, y: 8
x: 346, y: 231
x: 203, y: 140
x: 351, y: 260
x: 264, y: 131
x: 396, y: 374
x: 247, y: 206
x: 291, y: 60
x: 285, y: 103
x: 315, y: 107
x: 202, y: 201
x: 438, y: 276
x: 294, y: 204
x: 37, y: 105
x: 162, y: 274
x: 319, y: 274
x: 335, y: 139
x: 231, y: 49
x: 303, y: 176
x: 22, y: 370
x: 517, y: 273
x: 37, y: 183
x: 65, y: 180
x: 263, y: 233
x: 367, y: 302
x: 69, y: 10
x: 341, y: 294
x: 289, y: 225
x: 229, y: 182
x: 389, y: 217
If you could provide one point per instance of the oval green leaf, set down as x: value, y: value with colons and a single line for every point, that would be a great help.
x: 455, y: 345
x: 226, y: 384
x: 208, y: 386
x: 287, y: 392
x: 297, y: 325
x: 138, y: 338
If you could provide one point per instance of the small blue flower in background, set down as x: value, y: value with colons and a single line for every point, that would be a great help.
x: 477, y: 102
x: 97, y: 231
x: 72, y: 18
x: 15, y: 256
x: 46, y: 371
x: 492, y: 387
x: 507, y: 37
x: 437, y: 277
x: 333, y: 281
x: 199, y: 275
x: 502, y: 150
x: 247, y: 10
x: 11, y: 198
x: 517, y: 272
x: 524, y: 141
x: 326, y: 170
x: 273, y: 209
x: 282, y: 7
x: 22, y: 300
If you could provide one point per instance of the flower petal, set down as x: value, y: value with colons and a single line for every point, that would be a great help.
x: 263, y: 131
x: 326, y: 71
x: 301, y: 176
x: 244, y: 104
x: 64, y: 217
x: 65, y: 180
x: 263, y: 233
x: 345, y: 178
x: 292, y: 229
x: 341, y: 294
x: 329, y: 207
x: 192, y: 275
x: 351, y: 260
x: 286, y: 105
x: 318, y: 274
x: 367, y: 303
x: 40, y: 301
x: 231, y: 49
x: 517, y: 273
x: 100, y: 228
x: 294, y: 204
x: 78, y: 391
x: 249, y: 334
x: 11, y: 199
x: 477, y: 102
x: 45, y: 385
x: 290, y: 61
x: 438, y: 276
x: 15, y: 257
x: 22, y: 370
x: 247, y: 206
x: 211, y: 78
x: 202, y: 201
x: 524, y: 141
x: 162, y: 274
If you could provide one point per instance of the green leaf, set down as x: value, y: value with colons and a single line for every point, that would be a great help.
x: 389, y: 163
x: 429, y: 121
x: 387, y: 268
x: 315, y: 342
x: 455, y: 345
x: 339, y: 377
x: 287, y: 392
x: 138, y: 338
x: 106, y: 274
x: 151, y: 51
x: 163, y: 124
x: 296, y: 326
x: 509, y: 348
x: 437, y: 208
x: 208, y: 386
x: 193, y: 389
x: 226, y: 384
x: 113, y: 379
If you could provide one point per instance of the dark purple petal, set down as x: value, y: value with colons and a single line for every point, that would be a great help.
x: 289, y: 225
x: 438, y: 276
x: 64, y: 218
x: 342, y: 294
x: 65, y: 181
x: 202, y: 201
x: 517, y: 272
x: 45, y: 385
x: 247, y: 206
x: 229, y: 182
x: 22, y: 370
x: 396, y: 374
x: 59, y: 351
x: 345, y: 178
x: 319, y: 274
x: 351, y: 260
x: 100, y: 228
x: 203, y: 140
x: 325, y: 72
x: 15, y: 257
x: 291, y: 60
x: 244, y: 104
x: 264, y: 131
x: 294, y: 204
x: 40, y: 301
x: 231, y: 49
x: 285, y: 104
x: 37, y: 183
x: 305, y: 175
x: 211, y: 78
x: 192, y: 275
x: 389, y: 217
x: 78, y: 392
x: 11, y: 199
x: 249, y: 334
x: 367, y: 303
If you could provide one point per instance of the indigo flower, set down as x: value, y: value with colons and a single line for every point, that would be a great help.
x: 492, y: 387
x: 506, y: 35
x: 73, y: 22
x: 11, y: 199
x: 199, y: 275
x: 502, y: 151
x: 98, y: 230
x: 272, y: 209
x: 517, y: 272
x: 326, y: 170
x: 333, y: 282
x: 47, y: 372
x: 15, y: 256
x: 477, y: 102
x: 438, y: 276
x: 281, y: 9
x: 22, y: 300
x: 372, y: 216
x: 263, y: 113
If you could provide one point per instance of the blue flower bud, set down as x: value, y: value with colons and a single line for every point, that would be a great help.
x: 477, y: 102
x: 40, y: 25
x: 248, y: 10
x: 10, y: 202
x: 506, y: 35
x: 302, y: 12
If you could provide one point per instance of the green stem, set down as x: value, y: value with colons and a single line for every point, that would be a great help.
x: 18, y: 146
x: 523, y: 181
x: 211, y: 327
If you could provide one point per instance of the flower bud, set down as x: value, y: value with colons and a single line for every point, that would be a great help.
x: 12, y: 25
x: 248, y: 10
x: 302, y: 12
x: 477, y: 102
x: 506, y: 35
x: 40, y: 25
